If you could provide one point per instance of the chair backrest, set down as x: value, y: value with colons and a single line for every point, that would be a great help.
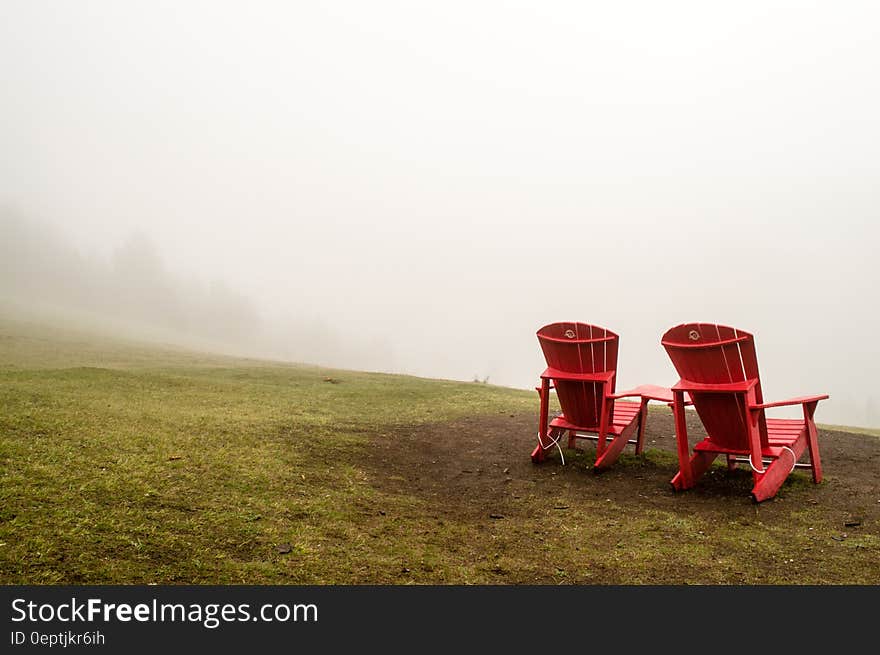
x: 579, y: 348
x: 716, y: 354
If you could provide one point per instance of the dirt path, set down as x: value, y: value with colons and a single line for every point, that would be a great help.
x: 474, y: 471
x: 485, y: 458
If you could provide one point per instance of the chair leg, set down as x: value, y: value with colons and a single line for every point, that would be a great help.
x: 551, y: 438
x: 767, y: 484
x: 684, y: 479
x: 643, y: 419
x: 699, y: 464
x: 539, y: 453
x: 731, y: 462
x: 604, y: 422
x: 612, y: 451
x: 813, y: 442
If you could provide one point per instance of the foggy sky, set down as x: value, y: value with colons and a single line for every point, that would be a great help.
x: 417, y: 187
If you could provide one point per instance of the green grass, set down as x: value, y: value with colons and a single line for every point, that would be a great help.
x: 165, y: 466
x: 851, y: 429
x: 129, y: 463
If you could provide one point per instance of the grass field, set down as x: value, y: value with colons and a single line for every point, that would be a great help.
x: 132, y: 463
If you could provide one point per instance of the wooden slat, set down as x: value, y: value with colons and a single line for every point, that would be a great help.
x: 649, y: 391
x: 611, y: 351
x: 627, y: 406
x: 785, y: 421
x: 750, y: 367
x: 768, y: 451
x: 569, y: 376
x: 728, y: 343
x: 594, y: 396
x: 563, y: 423
x: 719, y: 387
x: 784, y: 431
x: 801, y: 400
x: 749, y: 358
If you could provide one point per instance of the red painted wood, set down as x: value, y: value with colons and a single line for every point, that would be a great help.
x: 719, y: 369
x: 582, y: 366
x: 562, y: 424
x: 792, y: 401
x: 607, y: 407
x: 750, y: 367
x: 756, y: 442
x: 610, y: 453
x: 714, y: 387
x: 813, y: 440
x: 643, y: 420
x: 768, y: 484
x: 709, y: 355
x: 647, y: 392
x: 624, y: 414
x: 567, y: 376
x: 684, y: 479
x: 538, y: 454
x: 579, y: 348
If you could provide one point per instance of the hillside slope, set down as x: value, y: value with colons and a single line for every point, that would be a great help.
x: 123, y: 462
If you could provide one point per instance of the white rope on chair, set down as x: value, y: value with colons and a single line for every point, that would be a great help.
x: 793, y: 458
x: 793, y: 461
x: 762, y: 471
x: 553, y: 442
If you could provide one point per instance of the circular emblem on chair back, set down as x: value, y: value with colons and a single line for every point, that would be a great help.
x: 710, y: 353
x: 715, y: 356
x: 702, y: 335
x: 579, y: 348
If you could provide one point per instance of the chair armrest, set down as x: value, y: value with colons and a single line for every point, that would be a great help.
x: 721, y: 387
x: 648, y: 391
x: 802, y: 400
x: 555, y: 374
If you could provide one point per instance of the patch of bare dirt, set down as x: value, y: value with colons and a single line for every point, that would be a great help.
x: 479, y: 470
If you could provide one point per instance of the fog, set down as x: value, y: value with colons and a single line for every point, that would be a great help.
x: 418, y: 187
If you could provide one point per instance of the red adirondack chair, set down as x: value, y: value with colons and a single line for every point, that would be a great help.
x: 582, y: 367
x: 719, y: 370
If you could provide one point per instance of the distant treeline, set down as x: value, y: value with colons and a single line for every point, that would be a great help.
x: 133, y: 287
